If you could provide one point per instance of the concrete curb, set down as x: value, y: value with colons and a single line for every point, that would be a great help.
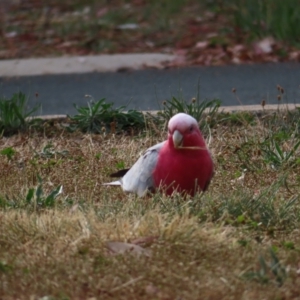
x: 229, y: 109
x: 81, y: 64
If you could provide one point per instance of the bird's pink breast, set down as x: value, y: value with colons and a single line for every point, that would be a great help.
x: 184, y: 170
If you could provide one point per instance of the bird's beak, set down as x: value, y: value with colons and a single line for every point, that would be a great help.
x: 177, y: 139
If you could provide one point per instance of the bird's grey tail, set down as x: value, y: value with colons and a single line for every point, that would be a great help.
x: 112, y: 183
x: 119, y: 173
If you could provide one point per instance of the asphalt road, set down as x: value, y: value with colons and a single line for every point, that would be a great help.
x: 146, y: 89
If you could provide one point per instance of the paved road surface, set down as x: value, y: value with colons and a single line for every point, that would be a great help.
x: 146, y: 89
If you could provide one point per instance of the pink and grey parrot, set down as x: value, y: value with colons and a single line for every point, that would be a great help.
x: 182, y: 163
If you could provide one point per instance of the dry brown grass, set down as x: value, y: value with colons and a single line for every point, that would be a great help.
x: 202, y: 248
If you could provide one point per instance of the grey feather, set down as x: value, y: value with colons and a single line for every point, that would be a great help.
x: 139, y: 177
x: 118, y: 182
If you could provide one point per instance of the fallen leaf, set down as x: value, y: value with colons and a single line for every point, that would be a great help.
x: 201, y: 45
x: 180, y: 58
x: 237, y: 48
x: 236, y: 60
x: 67, y: 44
x: 73, y: 208
x: 11, y: 34
x: 295, y: 55
x: 151, y: 289
x: 124, y: 248
x: 101, y: 12
x: 186, y: 41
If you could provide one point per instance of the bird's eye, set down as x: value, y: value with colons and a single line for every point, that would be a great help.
x: 191, y: 128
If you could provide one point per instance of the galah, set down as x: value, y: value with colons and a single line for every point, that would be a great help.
x: 182, y: 163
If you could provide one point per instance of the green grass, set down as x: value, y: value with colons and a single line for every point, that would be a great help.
x: 15, y: 115
x: 63, y: 234
x: 75, y: 27
x: 275, y: 18
x: 203, y: 111
x: 100, y: 117
x: 91, y: 27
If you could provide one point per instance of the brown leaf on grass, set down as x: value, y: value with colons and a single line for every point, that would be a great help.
x: 11, y: 34
x: 295, y: 55
x: 73, y: 208
x: 66, y: 44
x: 298, y: 269
x: 202, y: 45
x: 127, y: 248
x: 179, y: 60
x: 185, y: 42
x: 151, y: 289
x: 101, y: 12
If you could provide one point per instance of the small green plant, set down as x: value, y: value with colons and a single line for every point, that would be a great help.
x: 276, y: 155
x: 37, y: 197
x: 238, y: 118
x: 14, y: 115
x: 98, y: 155
x: 268, y: 271
x: 120, y: 165
x: 100, y: 116
x: 256, y: 212
x: 9, y: 152
x: 289, y: 245
x: 4, y: 267
x: 195, y: 108
x: 49, y: 151
x: 282, y: 124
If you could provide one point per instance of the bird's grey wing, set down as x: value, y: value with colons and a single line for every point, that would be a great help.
x: 139, y: 178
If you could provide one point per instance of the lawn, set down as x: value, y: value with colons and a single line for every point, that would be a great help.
x: 208, y: 32
x: 65, y: 236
